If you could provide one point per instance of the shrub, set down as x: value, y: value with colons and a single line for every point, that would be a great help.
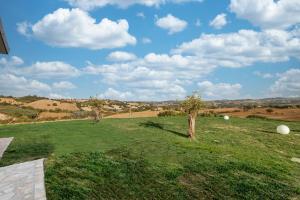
x: 170, y: 113
x: 54, y: 104
x: 256, y: 116
x: 269, y: 110
x: 82, y: 114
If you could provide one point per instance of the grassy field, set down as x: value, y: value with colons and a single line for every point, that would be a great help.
x: 151, y: 158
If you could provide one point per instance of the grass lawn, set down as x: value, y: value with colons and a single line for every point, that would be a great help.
x: 151, y: 158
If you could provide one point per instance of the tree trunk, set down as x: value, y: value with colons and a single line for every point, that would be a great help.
x: 97, y: 115
x: 192, y: 129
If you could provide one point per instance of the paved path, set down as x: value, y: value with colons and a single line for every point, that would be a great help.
x: 24, y: 181
x: 4, y: 142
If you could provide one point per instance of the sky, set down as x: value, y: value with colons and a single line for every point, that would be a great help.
x: 151, y: 50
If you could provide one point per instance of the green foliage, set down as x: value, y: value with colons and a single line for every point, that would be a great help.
x: 192, y: 104
x: 81, y: 114
x: 29, y: 99
x: 96, y: 103
x: 19, y: 112
x: 169, y: 113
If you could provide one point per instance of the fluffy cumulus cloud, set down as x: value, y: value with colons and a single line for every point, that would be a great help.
x: 119, y: 56
x: 63, y: 85
x: 153, y: 77
x: 76, y: 28
x: 287, y: 85
x: 167, y: 76
x: 219, y: 90
x: 41, y: 70
x: 219, y: 21
x: 268, y: 13
x: 18, y: 79
x: 53, y: 69
x: 11, y: 84
x: 24, y: 28
x: 92, y: 4
x: 171, y: 23
x: 244, y: 47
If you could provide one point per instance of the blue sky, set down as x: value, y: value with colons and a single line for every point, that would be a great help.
x: 151, y: 49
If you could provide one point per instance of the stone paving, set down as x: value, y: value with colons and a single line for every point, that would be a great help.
x: 24, y: 181
x: 4, y: 142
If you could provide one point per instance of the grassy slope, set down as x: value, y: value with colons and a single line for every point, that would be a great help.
x: 152, y: 158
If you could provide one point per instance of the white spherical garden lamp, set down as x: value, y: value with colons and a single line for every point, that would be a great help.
x: 226, y: 117
x: 283, y: 129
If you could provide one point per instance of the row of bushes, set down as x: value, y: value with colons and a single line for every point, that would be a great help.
x: 176, y: 113
x: 170, y: 113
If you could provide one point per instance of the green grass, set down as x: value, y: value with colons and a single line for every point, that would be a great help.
x: 152, y: 158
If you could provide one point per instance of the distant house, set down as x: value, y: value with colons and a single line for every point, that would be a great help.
x: 3, y: 43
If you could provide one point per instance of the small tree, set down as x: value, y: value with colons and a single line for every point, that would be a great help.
x: 97, y: 105
x: 192, y: 105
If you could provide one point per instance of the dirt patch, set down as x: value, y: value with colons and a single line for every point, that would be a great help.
x: 87, y: 108
x: 52, y: 115
x: 135, y: 114
x: 4, y: 117
x: 53, y: 105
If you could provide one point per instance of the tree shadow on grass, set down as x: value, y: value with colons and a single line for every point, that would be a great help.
x: 151, y: 124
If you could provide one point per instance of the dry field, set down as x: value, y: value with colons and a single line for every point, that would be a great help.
x: 52, y: 115
x: 4, y: 117
x: 10, y: 101
x: 52, y: 105
x: 290, y: 114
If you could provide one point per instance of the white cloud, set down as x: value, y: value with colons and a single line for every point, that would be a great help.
x: 154, y: 77
x: 63, y: 85
x: 121, y: 56
x: 219, y: 21
x: 53, y: 69
x: 92, y: 4
x: 39, y: 70
x: 141, y: 15
x: 13, y: 61
x: 19, y: 86
x: 113, y: 94
x: 287, y: 85
x: 76, y: 28
x: 24, y: 28
x: 57, y: 96
x: 171, y: 23
x: 263, y: 75
x: 198, y: 23
x: 268, y: 13
x: 219, y: 90
x: 244, y: 47
x: 146, y: 40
